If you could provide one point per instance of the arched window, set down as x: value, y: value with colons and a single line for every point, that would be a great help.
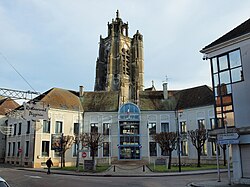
x: 129, y: 112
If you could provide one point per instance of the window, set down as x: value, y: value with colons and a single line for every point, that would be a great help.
x: 152, y: 128
x: 129, y: 129
x: 14, y: 129
x: 212, y: 123
x: 74, y: 149
x: 184, y: 148
x: 11, y: 130
x: 164, y: 153
x: 226, y: 70
x: 27, y: 148
x: 58, y: 127
x: 46, y: 126
x: 152, y: 149
x: 13, y: 148
x: 129, y: 112
x: 214, y: 149
x: 164, y: 127
x: 201, y: 124
x: 106, y: 149
x: 28, y: 127
x: 45, y: 148
x: 76, y: 129
x: 20, y: 129
x: 94, y: 127
x: 57, y: 153
x: 105, y: 128
x: 204, y: 150
x: 129, y: 140
x: 9, y: 148
x: 183, y: 125
x: 18, y: 148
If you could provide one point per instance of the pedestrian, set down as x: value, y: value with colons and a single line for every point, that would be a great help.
x: 49, y: 163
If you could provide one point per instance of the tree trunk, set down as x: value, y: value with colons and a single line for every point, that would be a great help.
x: 199, y: 157
x: 63, y: 155
x: 93, y: 157
x: 169, y: 159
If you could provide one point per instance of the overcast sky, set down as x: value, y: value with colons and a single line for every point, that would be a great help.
x: 54, y: 43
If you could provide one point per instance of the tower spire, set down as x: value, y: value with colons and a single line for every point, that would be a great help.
x: 117, y: 14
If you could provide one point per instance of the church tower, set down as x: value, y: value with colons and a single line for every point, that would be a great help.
x: 120, y: 65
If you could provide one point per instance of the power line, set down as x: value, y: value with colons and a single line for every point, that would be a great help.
x: 6, y: 60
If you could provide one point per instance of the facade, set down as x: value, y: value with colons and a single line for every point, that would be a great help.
x: 6, y: 105
x: 29, y: 143
x: 119, y: 108
x: 120, y: 65
x: 229, y: 57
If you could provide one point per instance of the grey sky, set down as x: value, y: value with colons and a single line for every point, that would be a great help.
x: 54, y: 43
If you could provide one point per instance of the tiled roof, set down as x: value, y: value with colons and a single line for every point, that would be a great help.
x: 6, y: 105
x: 194, y: 97
x: 154, y: 100
x: 60, y: 99
x: 240, y: 30
x: 100, y: 101
x: 183, y: 99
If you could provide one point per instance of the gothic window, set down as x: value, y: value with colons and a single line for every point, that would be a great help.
x: 126, y: 61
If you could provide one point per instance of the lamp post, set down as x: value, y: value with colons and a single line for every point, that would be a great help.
x: 178, y: 139
x: 78, y: 141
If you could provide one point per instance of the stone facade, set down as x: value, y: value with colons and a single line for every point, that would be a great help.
x: 120, y: 65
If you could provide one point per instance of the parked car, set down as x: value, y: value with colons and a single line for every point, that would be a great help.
x: 3, y: 183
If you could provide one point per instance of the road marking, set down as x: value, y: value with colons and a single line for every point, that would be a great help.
x: 32, y: 176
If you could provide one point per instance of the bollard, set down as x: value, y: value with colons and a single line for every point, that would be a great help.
x: 143, y: 168
x: 114, y: 168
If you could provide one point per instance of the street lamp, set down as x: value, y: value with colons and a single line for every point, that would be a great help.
x: 177, y: 113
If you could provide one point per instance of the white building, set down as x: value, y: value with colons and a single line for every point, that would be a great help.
x: 6, y: 105
x: 119, y: 108
x: 29, y: 144
x: 229, y: 57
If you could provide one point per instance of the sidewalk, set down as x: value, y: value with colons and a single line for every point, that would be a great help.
x: 142, y: 172
x: 216, y: 184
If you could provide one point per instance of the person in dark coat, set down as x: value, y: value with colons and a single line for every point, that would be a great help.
x: 49, y: 163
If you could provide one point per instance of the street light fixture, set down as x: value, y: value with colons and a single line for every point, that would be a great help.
x: 177, y: 113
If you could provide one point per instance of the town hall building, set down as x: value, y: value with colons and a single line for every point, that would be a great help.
x: 120, y: 108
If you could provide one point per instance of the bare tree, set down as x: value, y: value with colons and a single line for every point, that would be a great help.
x: 67, y: 142
x: 167, y: 142
x: 198, y: 139
x: 92, y: 141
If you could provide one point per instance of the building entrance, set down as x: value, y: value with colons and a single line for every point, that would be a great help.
x: 129, y: 153
x: 129, y: 132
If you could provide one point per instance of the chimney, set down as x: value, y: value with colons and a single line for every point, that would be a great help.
x: 81, y: 91
x: 165, y: 90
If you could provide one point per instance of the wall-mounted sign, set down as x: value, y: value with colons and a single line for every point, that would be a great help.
x: 56, y: 140
x: 35, y: 111
x: 228, y: 136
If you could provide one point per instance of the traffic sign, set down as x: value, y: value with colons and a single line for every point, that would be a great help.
x: 222, y: 142
x: 84, y: 150
x: 228, y: 136
x: 84, y: 154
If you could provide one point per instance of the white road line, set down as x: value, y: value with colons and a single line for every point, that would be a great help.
x: 32, y: 176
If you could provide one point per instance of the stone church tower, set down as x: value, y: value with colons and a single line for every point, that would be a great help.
x: 120, y: 65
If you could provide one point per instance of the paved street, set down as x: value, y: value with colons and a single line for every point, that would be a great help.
x: 22, y: 178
